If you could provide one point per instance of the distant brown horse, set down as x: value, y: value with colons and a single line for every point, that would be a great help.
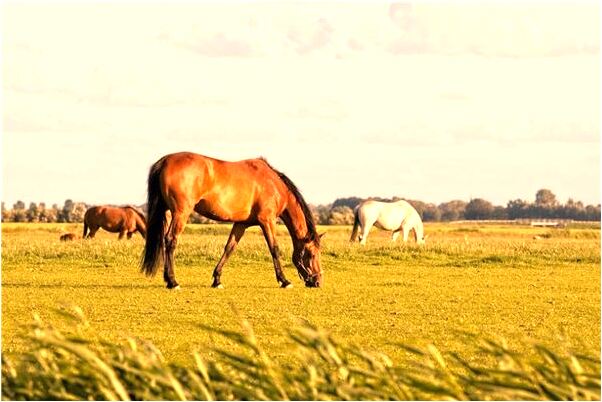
x: 120, y: 220
x: 68, y: 237
x: 248, y: 193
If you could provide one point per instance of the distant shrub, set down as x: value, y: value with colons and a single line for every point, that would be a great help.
x: 340, y: 216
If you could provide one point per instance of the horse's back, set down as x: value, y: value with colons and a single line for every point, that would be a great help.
x: 109, y: 218
x: 379, y: 213
x: 222, y: 190
x: 388, y: 215
x: 92, y: 214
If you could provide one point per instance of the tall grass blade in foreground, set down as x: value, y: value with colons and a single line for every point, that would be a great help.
x: 79, y: 366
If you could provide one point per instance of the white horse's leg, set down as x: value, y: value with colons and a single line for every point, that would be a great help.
x: 406, y: 233
x: 419, y: 233
x: 395, y: 235
x: 365, y: 229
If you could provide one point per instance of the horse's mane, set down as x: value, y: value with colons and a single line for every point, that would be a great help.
x: 140, y: 214
x: 309, y: 218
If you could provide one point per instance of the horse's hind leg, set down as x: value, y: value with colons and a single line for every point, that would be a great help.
x: 121, y: 234
x: 269, y: 231
x: 93, y: 230
x: 395, y: 235
x: 238, y: 230
x: 130, y: 235
x: 171, y: 240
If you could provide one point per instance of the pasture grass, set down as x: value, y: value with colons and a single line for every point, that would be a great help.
x: 520, y: 283
x: 82, y: 367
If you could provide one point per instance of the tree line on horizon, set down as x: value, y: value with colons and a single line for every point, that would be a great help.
x: 546, y: 206
x: 340, y: 212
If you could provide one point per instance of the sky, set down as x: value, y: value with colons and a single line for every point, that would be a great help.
x: 426, y: 101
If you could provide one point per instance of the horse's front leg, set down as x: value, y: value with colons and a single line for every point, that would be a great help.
x: 238, y: 230
x: 364, y: 232
x: 269, y: 231
x: 406, y: 233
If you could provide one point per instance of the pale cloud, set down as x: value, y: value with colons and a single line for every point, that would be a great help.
x: 496, y: 29
x: 402, y: 15
x: 314, y: 38
x: 216, y: 45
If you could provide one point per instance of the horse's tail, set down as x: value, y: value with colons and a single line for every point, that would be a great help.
x: 155, y: 230
x: 356, y: 224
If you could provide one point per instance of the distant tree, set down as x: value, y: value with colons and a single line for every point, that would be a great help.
x: 48, y: 215
x: 19, y: 205
x: 452, y: 210
x: 321, y: 213
x: 517, y: 209
x: 592, y: 213
x: 430, y: 213
x: 545, y: 198
x: 341, y: 215
x: 41, y: 212
x: 78, y: 211
x: 19, y: 214
x: 478, y: 208
x: 65, y: 214
x: 499, y: 212
x: 32, y: 213
x: 350, y: 202
x: 7, y: 214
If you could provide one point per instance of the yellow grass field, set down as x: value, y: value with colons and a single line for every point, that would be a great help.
x: 491, y: 280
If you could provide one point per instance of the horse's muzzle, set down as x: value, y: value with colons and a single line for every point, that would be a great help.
x: 312, y: 283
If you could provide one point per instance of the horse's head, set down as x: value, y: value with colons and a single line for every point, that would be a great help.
x: 307, y: 260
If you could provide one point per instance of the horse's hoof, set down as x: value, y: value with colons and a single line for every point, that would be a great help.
x: 177, y: 287
x: 286, y: 285
x: 218, y: 286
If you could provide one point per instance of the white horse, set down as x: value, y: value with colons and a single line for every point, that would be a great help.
x: 398, y: 216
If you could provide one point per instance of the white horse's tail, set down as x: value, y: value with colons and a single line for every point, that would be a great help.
x: 356, y: 224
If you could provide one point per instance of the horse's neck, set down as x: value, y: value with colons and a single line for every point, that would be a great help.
x: 294, y: 220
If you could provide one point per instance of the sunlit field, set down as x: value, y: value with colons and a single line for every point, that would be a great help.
x: 518, y: 283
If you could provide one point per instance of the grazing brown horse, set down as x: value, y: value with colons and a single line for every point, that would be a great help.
x: 248, y: 193
x: 120, y: 220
